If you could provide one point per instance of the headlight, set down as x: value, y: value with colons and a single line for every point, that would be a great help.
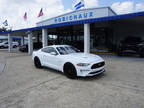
x: 83, y: 64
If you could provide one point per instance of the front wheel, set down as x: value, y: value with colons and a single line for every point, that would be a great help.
x: 14, y: 46
x: 70, y: 71
x: 37, y: 62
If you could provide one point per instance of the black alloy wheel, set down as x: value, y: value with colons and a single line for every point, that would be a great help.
x: 2, y: 47
x: 70, y: 71
x: 37, y: 62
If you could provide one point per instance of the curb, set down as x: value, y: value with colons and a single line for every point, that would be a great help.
x: 105, y: 53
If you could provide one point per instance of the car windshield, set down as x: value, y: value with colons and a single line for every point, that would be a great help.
x: 67, y: 50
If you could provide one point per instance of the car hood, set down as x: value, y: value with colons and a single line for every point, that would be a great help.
x: 83, y: 58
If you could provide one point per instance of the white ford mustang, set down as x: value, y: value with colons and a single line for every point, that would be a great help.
x: 69, y: 60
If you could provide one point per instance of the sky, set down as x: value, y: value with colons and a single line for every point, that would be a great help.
x: 13, y: 10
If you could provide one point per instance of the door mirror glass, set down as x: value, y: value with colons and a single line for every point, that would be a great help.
x: 53, y: 53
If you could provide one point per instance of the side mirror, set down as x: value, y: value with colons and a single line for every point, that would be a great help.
x: 53, y: 53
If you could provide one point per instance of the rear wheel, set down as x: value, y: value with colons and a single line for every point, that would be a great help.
x: 14, y: 46
x: 70, y: 71
x: 37, y: 62
x: 2, y: 47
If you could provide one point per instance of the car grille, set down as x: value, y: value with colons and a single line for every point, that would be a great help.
x: 96, y: 71
x: 98, y: 65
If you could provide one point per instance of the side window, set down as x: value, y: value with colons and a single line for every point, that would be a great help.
x: 52, y: 50
x: 49, y: 50
x: 46, y: 50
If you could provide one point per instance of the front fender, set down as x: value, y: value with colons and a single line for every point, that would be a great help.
x: 74, y: 64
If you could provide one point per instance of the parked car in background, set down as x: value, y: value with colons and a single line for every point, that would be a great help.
x: 23, y: 48
x: 36, y: 46
x: 15, y: 44
x: 5, y: 44
x: 69, y: 60
x: 133, y: 45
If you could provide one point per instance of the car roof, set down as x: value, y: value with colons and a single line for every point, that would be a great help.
x: 56, y: 46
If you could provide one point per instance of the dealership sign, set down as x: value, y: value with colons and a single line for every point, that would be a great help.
x: 74, y: 17
x: 78, y: 15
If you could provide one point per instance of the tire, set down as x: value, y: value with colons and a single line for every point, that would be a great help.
x: 37, y: 62
x: 14, y: 46
x: 2, y: 47
x: 70, y: 71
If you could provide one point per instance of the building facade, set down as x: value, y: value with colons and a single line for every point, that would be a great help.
x: 90, y: 30
x: 105, y: 33
x: 74, y: 34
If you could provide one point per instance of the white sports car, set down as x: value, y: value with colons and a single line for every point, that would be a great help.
x: 68, y: 60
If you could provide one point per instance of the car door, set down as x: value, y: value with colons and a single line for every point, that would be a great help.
x: 48, y: 59
x: 43, y: 56
x: 52, y: 58
x: 6, y: 44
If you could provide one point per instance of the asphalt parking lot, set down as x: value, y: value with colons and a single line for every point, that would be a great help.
x: 24, y: 86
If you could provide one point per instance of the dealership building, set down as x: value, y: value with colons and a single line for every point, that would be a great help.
x: 91, y: 30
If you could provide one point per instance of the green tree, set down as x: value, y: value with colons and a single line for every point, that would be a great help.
x: 3, y: 29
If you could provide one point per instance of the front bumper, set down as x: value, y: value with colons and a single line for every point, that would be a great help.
x: 87, y: 71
